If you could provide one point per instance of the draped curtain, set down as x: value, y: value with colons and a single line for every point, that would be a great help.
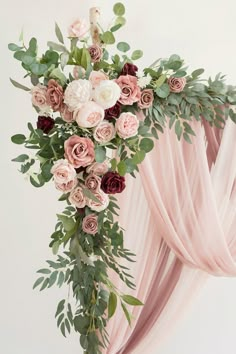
x: 180, y: 220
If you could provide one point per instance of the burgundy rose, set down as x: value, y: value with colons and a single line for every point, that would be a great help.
x: 113, y: 112
x: 129, y: 69
x: 112, y: 183
x: 55, y: 95
x: 45, y: 124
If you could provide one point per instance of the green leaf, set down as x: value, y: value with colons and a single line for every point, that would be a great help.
x: 137, y: 54
x: 60, y: 307
x: 57, y: 74
x: 18, y: 85
x: 61, y: 279
x: 188, y: 129
x: 113, y: 164
x: 178, y: 129
x: 68, y: 222
x: 21, y: 158
x: 126, y: 312
x: 19, y: 54
x: 146, y: 144
x: 64, y: 59
x: 45, y: 284
x: 46, y: 170
x: 90, y: 195
x: 85, y: 58
x: 84, y: 341
x: 160, y: 81
x: 120, y: 21
x: 123, y: 47
x: 58, y: 33
x: 38, y: 282
x: 163, y: 91
x: 18, y: 139
x: 119, y: 9
x: 55, y: 247
x: 33, y: 45
x: 36, y: 180
x: 108, y: 37
x: 139, y: 157
x: 122, y: 168
x: 14, y: 47
x: 112, y: 304
x: 38, y: 69
x: 60, y: 319
x: 67, y: 325
x: 180, y: 73
x: 44, y: 271
x: 197, y: 73
x: 52, y: 279
x: 100, y: 154
x: 187, y: 138
x: 175, y: 65
x: 57, y: 47
x: 115, y: 28
x: 62, y: 328
x: 131, y: 300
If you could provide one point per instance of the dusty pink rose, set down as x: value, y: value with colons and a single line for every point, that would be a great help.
x: 102, y: 204
x: 93, y: 182
x: 90, y: 224
x: 176, y: 84
x: 64, y: 175
x: 104, y: 132
x: 146, y: 99
x: 79, y: 151
x: 89, y: 115
x: 96, y: 77
x: 55, y: 95
x: 79, y: 29
x: 66, y: 115
x: 95, y: 52
x: 78, y: 198
x: 98, y: 168
x: 78, y: 72
x: 127, y: 125
x: 39, y: 97
x: 130, y: 91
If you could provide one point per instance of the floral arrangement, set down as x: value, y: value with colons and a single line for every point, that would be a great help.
x: 98, y: 116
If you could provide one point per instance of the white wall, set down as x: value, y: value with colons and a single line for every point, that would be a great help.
x: 201, y: 31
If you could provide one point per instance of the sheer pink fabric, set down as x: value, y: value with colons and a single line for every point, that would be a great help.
x: 187, y: 204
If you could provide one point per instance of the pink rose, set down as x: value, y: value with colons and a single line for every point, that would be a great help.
x: 176, y: 84
x: 104, y: 132
x: 89, y: 115
x: 39, y: 97
x: 55, y: 95
x: 78, y: 72
x: 146, y: 99
x: 96, y: 77
x: 101, y: 205
x: 127, y: 125
x: 64, y: 175
x: 79, y: 151
x: 90, y: 224
x: 98, y: 168
x: 78, y: 198
x: 66, y: 115
x: 95, y: 52
x: 93, y: 182
x: 130, y: 92
x: 79, y: 29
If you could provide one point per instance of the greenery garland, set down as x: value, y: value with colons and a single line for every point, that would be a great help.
x: 82, y: 117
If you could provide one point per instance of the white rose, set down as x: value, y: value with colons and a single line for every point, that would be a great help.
x: 90, y: 115
x: 77, y: 93
x: 106, y: 94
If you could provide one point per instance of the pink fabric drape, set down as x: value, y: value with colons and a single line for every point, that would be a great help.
x: 183, y: 212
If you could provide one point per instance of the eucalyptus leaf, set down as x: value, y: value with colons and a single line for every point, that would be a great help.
x: 18, y: 139
x: 56, y: 46
x: 131, y: 300
x: 108, y: 37
x: 137, y: 54
x: 21, y: 158
x: 112, y: 304
x: 123, y: 47
x: 18, y: 85
x: 58, y: 33
x: 119, y: 9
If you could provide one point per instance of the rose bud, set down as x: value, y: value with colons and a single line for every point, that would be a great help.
x: 45, y: 124
x: 129, y: 69
x: 112, y: 183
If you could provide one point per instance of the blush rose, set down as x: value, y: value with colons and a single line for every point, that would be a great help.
x: 93, y: 182
x: 79, y: 151
x: 64, y: 175
x: 55, y: 95
x: 146, y: 99
x: 127, y: 125
x: 78, y: 198
x: 176, y: 84
x: 90, y: 224
x: 90, y: 115
x: 130, y: 91
x: 104, y: 132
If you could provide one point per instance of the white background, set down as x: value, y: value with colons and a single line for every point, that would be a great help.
x: 203, y: 32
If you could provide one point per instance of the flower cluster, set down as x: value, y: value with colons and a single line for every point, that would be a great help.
x: 92, y: 127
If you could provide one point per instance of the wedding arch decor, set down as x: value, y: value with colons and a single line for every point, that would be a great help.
x: 97, y: 116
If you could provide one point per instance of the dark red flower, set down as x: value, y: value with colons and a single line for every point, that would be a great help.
x: 113, y: 112
x: 129, y: 69
x: 45, y: 124
x: 112, y: 183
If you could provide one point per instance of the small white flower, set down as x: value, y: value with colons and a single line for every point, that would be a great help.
x: 144, y: 81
